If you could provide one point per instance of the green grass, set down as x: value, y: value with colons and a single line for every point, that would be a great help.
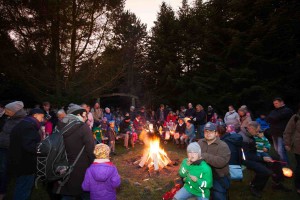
x: 137, y: 185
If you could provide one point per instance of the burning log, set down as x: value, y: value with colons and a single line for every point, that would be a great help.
x: 153, y: 155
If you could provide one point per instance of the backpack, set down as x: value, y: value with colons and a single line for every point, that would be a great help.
x: 52, y: 162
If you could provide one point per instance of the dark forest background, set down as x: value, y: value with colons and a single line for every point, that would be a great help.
x: 216, y: 53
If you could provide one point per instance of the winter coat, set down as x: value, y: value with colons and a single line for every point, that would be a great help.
x: 234, y: 142
x: 124, y: 127
x: 24, y: 139
x: 244, y: 122
x: 101, y: 180
x: 217, y: 155
x: 109, y: 116
x: 190, y: 112
x: 291, y: 134
x: 264, y: 125
x: 75, y: 138
x: 10, y: 123
x: 158, y: 113
x: 278, y: 118
x: 232, y: 118
x: 111, y: 134
x: 202, y: 171
x: 190, y: 131
x: 249, y: 148
x: 200, y: 117
x: 180, y: 128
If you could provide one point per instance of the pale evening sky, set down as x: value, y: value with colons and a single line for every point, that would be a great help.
x: 146, y: 10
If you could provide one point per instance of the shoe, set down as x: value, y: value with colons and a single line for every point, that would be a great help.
x: 255, y: 192
x: 281, y: 187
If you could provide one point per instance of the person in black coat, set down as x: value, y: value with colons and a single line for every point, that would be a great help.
x: 199, y: 120
x: 278, y: 119
x: 234, y: 142
x: 24, y: 139
x: 75, y: 139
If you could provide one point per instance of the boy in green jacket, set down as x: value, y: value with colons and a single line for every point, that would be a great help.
x: 196, y: 174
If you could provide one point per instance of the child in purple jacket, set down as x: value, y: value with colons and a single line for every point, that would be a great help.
x: 102, y: 177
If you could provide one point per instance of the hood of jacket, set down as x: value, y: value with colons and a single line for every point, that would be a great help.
x: 102, y: 171
x: 68, y: 119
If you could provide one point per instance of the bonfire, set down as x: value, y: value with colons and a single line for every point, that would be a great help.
x: 153, y: 156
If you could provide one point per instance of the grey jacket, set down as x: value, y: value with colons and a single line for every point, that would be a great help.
x: 291, y: 134
x: 8, y: 126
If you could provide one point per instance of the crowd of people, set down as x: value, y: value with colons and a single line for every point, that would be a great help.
x: 213, y: 144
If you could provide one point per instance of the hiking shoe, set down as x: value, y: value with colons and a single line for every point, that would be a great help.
x: 281, y: 187
x: 255, y: 192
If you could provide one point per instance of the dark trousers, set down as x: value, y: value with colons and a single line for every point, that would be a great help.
x: 23, y: 187
x: 263, y: 171
x: 3, y: 170
x: 297, y: 171
x: 220, y: 187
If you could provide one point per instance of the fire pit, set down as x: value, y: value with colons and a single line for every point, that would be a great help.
x: 154, y: 157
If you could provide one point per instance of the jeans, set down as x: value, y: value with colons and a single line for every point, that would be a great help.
x: 297, y: 172
x: 189, y: 140
x: 183, y: 194
x: 220, y: 187
x: 279, y: 148
x: 200, y: 131
x: 3, y: 170
x: 23, y: 187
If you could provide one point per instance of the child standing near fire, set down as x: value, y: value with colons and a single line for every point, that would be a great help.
x: 196, y: 174
x: 112, y: 136
x: 102, y: 177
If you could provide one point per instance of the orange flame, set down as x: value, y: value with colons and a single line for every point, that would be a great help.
x: 157, y: 156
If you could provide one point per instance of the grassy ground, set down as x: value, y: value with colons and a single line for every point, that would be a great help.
x: 139, y: 184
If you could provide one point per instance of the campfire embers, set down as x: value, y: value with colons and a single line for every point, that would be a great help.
x: 154, y: 156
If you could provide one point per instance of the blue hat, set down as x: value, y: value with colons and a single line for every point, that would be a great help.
x: 210, y: 126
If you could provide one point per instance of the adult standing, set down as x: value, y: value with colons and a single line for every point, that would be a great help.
x: 190, y: 112
x: 291, y: 138
x: 264, y: 167
x: 90, y: 118
x: 15, y: 114
x: 75, y: 138
x: 97, y: 113
x: 50, y: 118
x: 217, y: 154
x: 278, y: 119
x: 232, y: 118
x: 244, y: 118
x: 24, y: 139
x: 200, y: 120
x: 161, y: 115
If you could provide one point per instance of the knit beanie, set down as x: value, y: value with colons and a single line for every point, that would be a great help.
x: 102, y: 151
x: 15, y: 106
x: 242, y: 109
x: 194, y: 147
x: 75, y: 109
